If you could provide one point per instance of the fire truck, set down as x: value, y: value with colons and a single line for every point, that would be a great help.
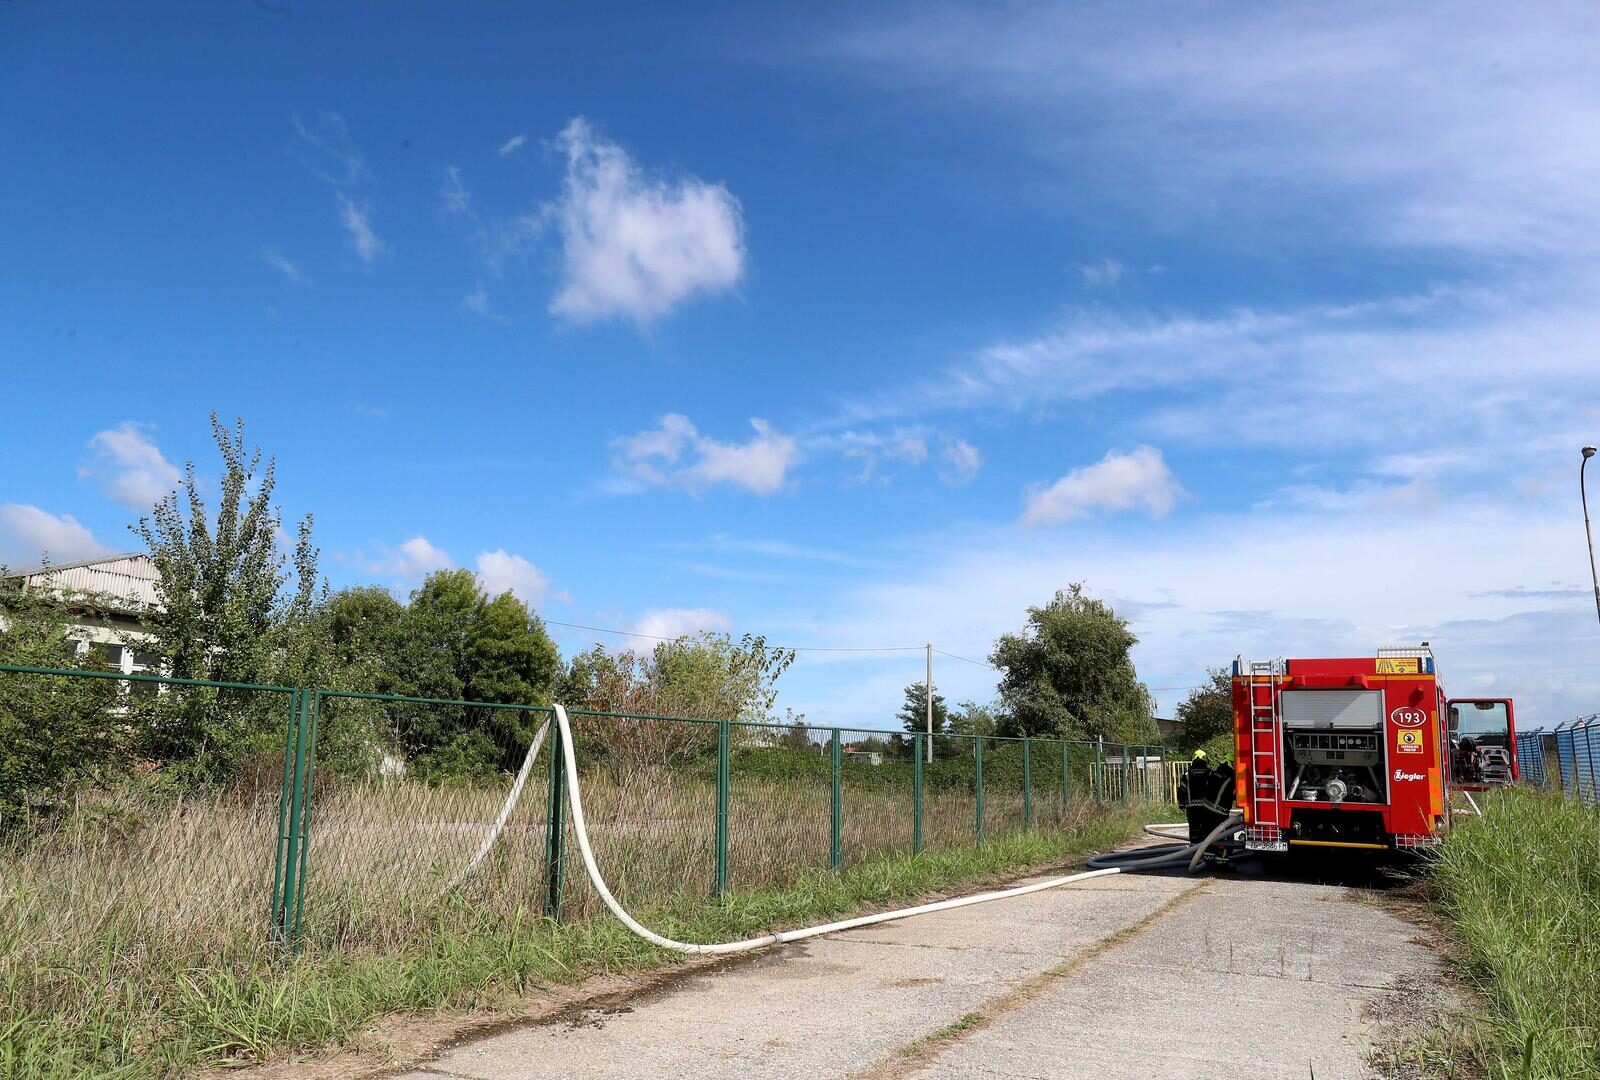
x: 1361, y: 752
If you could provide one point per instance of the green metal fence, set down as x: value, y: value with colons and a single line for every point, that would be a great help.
x: 366, y: 835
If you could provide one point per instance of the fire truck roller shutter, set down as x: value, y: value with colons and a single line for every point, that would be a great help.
x: 1339, y: 709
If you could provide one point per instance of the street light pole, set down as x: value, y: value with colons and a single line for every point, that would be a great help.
x: 928, y: 690
x: 1589, y: 452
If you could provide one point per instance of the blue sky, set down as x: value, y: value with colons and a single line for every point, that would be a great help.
x: 856, y: 325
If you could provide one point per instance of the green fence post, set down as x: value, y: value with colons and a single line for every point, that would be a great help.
x: 977, y: 759
x: 283, y: 813
x: 916, y: 793
x: 1066, y: 777
x: 287, y: 916
x: 1027, y: 785
x: 1125, y: 774
x: 1097, y: 781
x: 836, y: 847
x: 724, y: 738
x: 313, y: 713
x: 555, y: 825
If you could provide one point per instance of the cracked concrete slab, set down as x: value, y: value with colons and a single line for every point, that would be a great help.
x: 1247, y: 977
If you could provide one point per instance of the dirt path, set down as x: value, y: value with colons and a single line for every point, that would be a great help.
x: 1130, y: 976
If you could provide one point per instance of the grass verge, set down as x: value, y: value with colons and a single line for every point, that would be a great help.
x: 1520, y: 893
x: 161, y: 1020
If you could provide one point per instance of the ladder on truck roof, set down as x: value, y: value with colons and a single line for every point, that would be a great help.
x: 1266, y: 755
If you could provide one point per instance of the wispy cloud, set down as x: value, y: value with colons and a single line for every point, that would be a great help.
x: 477, y: 302
x: 281, y: 263
x: 358, y: 223
x: 959, y: 462
x: 1138, y: 479
x: 776, y: 549
x: 453, y: 192
x: 130, y: 466
x: 674, y: 623
x: 634, y: 246
x: 29, y: 535
x: 325, y: 146
x: 511, y: 145
x: 1435, y: 123
x: 1103, y: 274
x: 676, y: 454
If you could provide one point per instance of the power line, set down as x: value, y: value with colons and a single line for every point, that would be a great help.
x: 976, y: 663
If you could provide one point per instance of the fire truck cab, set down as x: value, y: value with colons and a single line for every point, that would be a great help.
x: 1360, y: 752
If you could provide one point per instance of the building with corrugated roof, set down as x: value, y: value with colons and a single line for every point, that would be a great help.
x: 110, y: 599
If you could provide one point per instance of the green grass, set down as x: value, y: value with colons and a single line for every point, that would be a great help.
x: 1520, y: 890
x: 115, y: 998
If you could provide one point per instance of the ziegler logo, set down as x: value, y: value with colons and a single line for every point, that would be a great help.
x: 1401, y: 774
x: 1407, y: 716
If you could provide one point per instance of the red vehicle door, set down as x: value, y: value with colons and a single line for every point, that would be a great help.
x: 1483, y: 743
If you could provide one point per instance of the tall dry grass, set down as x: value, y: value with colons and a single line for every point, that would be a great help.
x: 135, y: 939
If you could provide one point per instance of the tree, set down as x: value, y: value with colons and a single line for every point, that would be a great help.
x: 974, y: 719
x: 455, y: 645
x: 362, y: 631
x: 55, y: 733
x: 1069, y: 673
x: 1208, y: 710
x: 225, y: 614
x: 708, y: 677
x: 796, y: 736
x: 913, y: 714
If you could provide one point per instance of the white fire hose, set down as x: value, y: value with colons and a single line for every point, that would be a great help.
x: 1140, y: 858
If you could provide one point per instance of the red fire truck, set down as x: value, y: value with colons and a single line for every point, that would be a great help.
x: 1360, y: 752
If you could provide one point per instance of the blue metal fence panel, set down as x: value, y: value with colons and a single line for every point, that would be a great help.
x: 1566, y: 757
x: 1530, y: 758
x: 1586, y: 744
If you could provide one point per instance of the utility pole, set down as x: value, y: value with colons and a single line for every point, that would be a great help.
x: 929, y: 686
x: 1588, y: 452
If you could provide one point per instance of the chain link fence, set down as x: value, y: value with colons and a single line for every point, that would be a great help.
x: 233, y: 814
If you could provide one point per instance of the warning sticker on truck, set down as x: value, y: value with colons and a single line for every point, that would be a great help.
x: 1408, y: 742
x: 1399, y: 665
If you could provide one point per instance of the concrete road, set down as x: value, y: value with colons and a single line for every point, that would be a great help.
x: 1128, y: 976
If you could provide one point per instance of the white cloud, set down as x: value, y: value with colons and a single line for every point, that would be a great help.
x: 412, y: 561
x: 477, y: 302
x: 457, y: 199
x: 633, y: 246
x: 1117, y: 482
x: 325, y: 146
x: 511, y: 145
x: 29, y: 535
x: 1435, y: 123
x: 1105, y: 273
x: 676, y: 454
x: 1505, y: 601
x: 680, y: 622
x: 328, y: 151
x: 130, y: 467
x: 500, y: 571
x: 960, y: 462
x: 357, y: 222
x: 281, y: 263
